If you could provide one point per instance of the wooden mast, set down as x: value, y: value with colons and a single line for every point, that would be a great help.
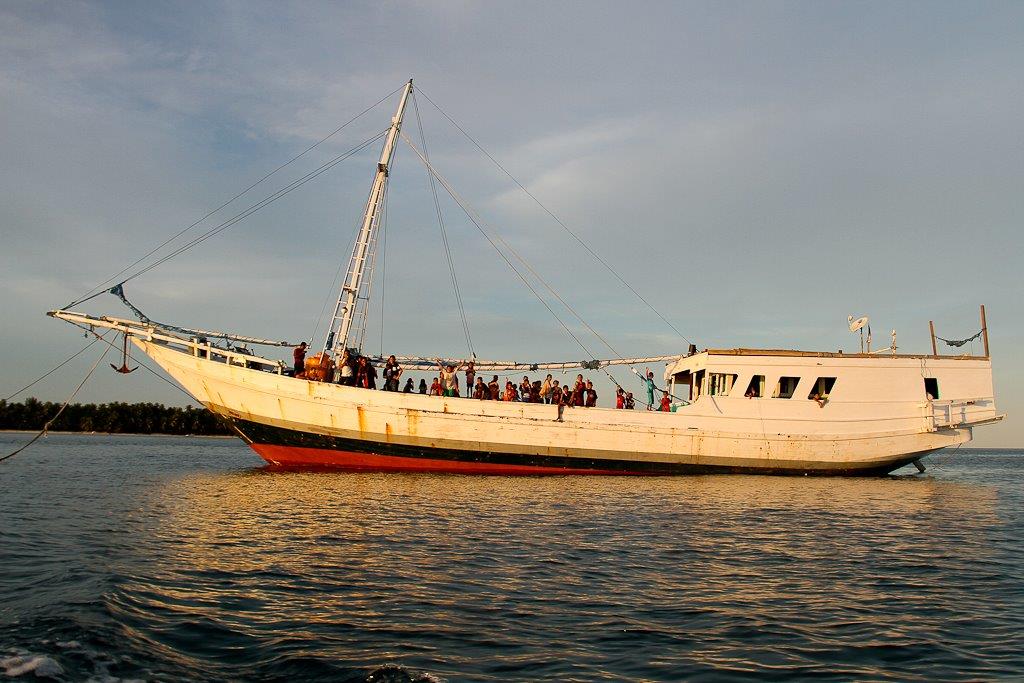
x: 984, y: 330
x: 344, y: 310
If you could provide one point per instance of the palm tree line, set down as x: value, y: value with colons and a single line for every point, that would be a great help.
x: 115, y: 418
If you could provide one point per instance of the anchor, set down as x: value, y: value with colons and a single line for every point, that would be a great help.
x: 125, y: 357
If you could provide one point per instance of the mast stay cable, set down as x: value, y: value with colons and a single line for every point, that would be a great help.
x: 100, y: 288
x: 565, y: 227
x: 287, y: 189
x: 444, y: 233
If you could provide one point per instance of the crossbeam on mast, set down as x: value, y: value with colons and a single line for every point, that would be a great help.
x: 420, y: 363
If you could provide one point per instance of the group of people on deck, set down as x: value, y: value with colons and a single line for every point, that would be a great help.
x: 358, y: 371
x: 547, y: 391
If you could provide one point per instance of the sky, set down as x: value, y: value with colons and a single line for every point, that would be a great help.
x: 758, y: 171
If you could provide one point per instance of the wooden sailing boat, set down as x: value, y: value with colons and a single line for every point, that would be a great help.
x: 755, y: 411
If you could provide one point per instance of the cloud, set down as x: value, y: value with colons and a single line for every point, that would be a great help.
x: 757, y: 172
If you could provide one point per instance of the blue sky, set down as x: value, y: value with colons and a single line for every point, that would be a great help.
x: 758, y: 170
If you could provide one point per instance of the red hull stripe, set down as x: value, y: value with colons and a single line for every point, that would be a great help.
x: 295, y: 456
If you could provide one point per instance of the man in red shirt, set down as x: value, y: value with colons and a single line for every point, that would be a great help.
x: 299, y: 356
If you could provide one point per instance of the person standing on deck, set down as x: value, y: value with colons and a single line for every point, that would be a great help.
x: 666, y: 403
x: 449, y: 380
x: 494, y: 388
x: 299, y: 357
x: 648, y: 379
x: 558, y: 397
x: 591, y: 394
x: 470, y: 377
x: 392, y: 373
x: 620, y: 398
x: 435, y: 388
x: 629, y: 403
x: 577, y: 392
x: 346, y: 369
x: 524, y: 389
x: 371, y: 374
x: 545, y: 390
x: 480, y: 390
x: 362, y: 373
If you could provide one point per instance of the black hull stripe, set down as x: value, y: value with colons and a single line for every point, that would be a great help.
x: 261, y: 434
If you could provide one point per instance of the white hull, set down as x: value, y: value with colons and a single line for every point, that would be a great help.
x: 298, y: 422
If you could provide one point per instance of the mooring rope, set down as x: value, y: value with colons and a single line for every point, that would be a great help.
x: 70, y: 398
x: 64, y: 362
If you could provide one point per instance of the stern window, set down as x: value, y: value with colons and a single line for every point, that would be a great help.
x: 822, y: 387
x: 786, y: 387
x: 931, y: 387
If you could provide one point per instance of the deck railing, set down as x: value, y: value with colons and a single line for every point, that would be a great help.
x: 955, y: 412
x: 194, y: 347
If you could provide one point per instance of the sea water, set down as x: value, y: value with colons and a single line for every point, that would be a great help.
x: 167, y: 558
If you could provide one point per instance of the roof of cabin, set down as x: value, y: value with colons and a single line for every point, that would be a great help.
x: 831, y: 354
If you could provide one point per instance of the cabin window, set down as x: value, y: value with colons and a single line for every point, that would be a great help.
x: 720, y: 383
x: 756, y: 387
x: 822, y: 387
x: 786, y: 387
x: 684, y: 379
x: 698, y: 384
x: 931, y: 387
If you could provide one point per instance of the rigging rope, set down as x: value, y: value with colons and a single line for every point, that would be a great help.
x: 70, y: 398
x: 334, y: 286
x: 444, y: 233
x: 478, y: 222
x: 287, y: 189
x: 118, y: 291
x: 100, y: 288
x: 556, y: 218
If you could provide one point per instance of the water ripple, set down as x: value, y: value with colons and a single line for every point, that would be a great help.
x: 175, y: 559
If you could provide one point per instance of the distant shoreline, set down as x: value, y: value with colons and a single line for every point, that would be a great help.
x: 189, y: 436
